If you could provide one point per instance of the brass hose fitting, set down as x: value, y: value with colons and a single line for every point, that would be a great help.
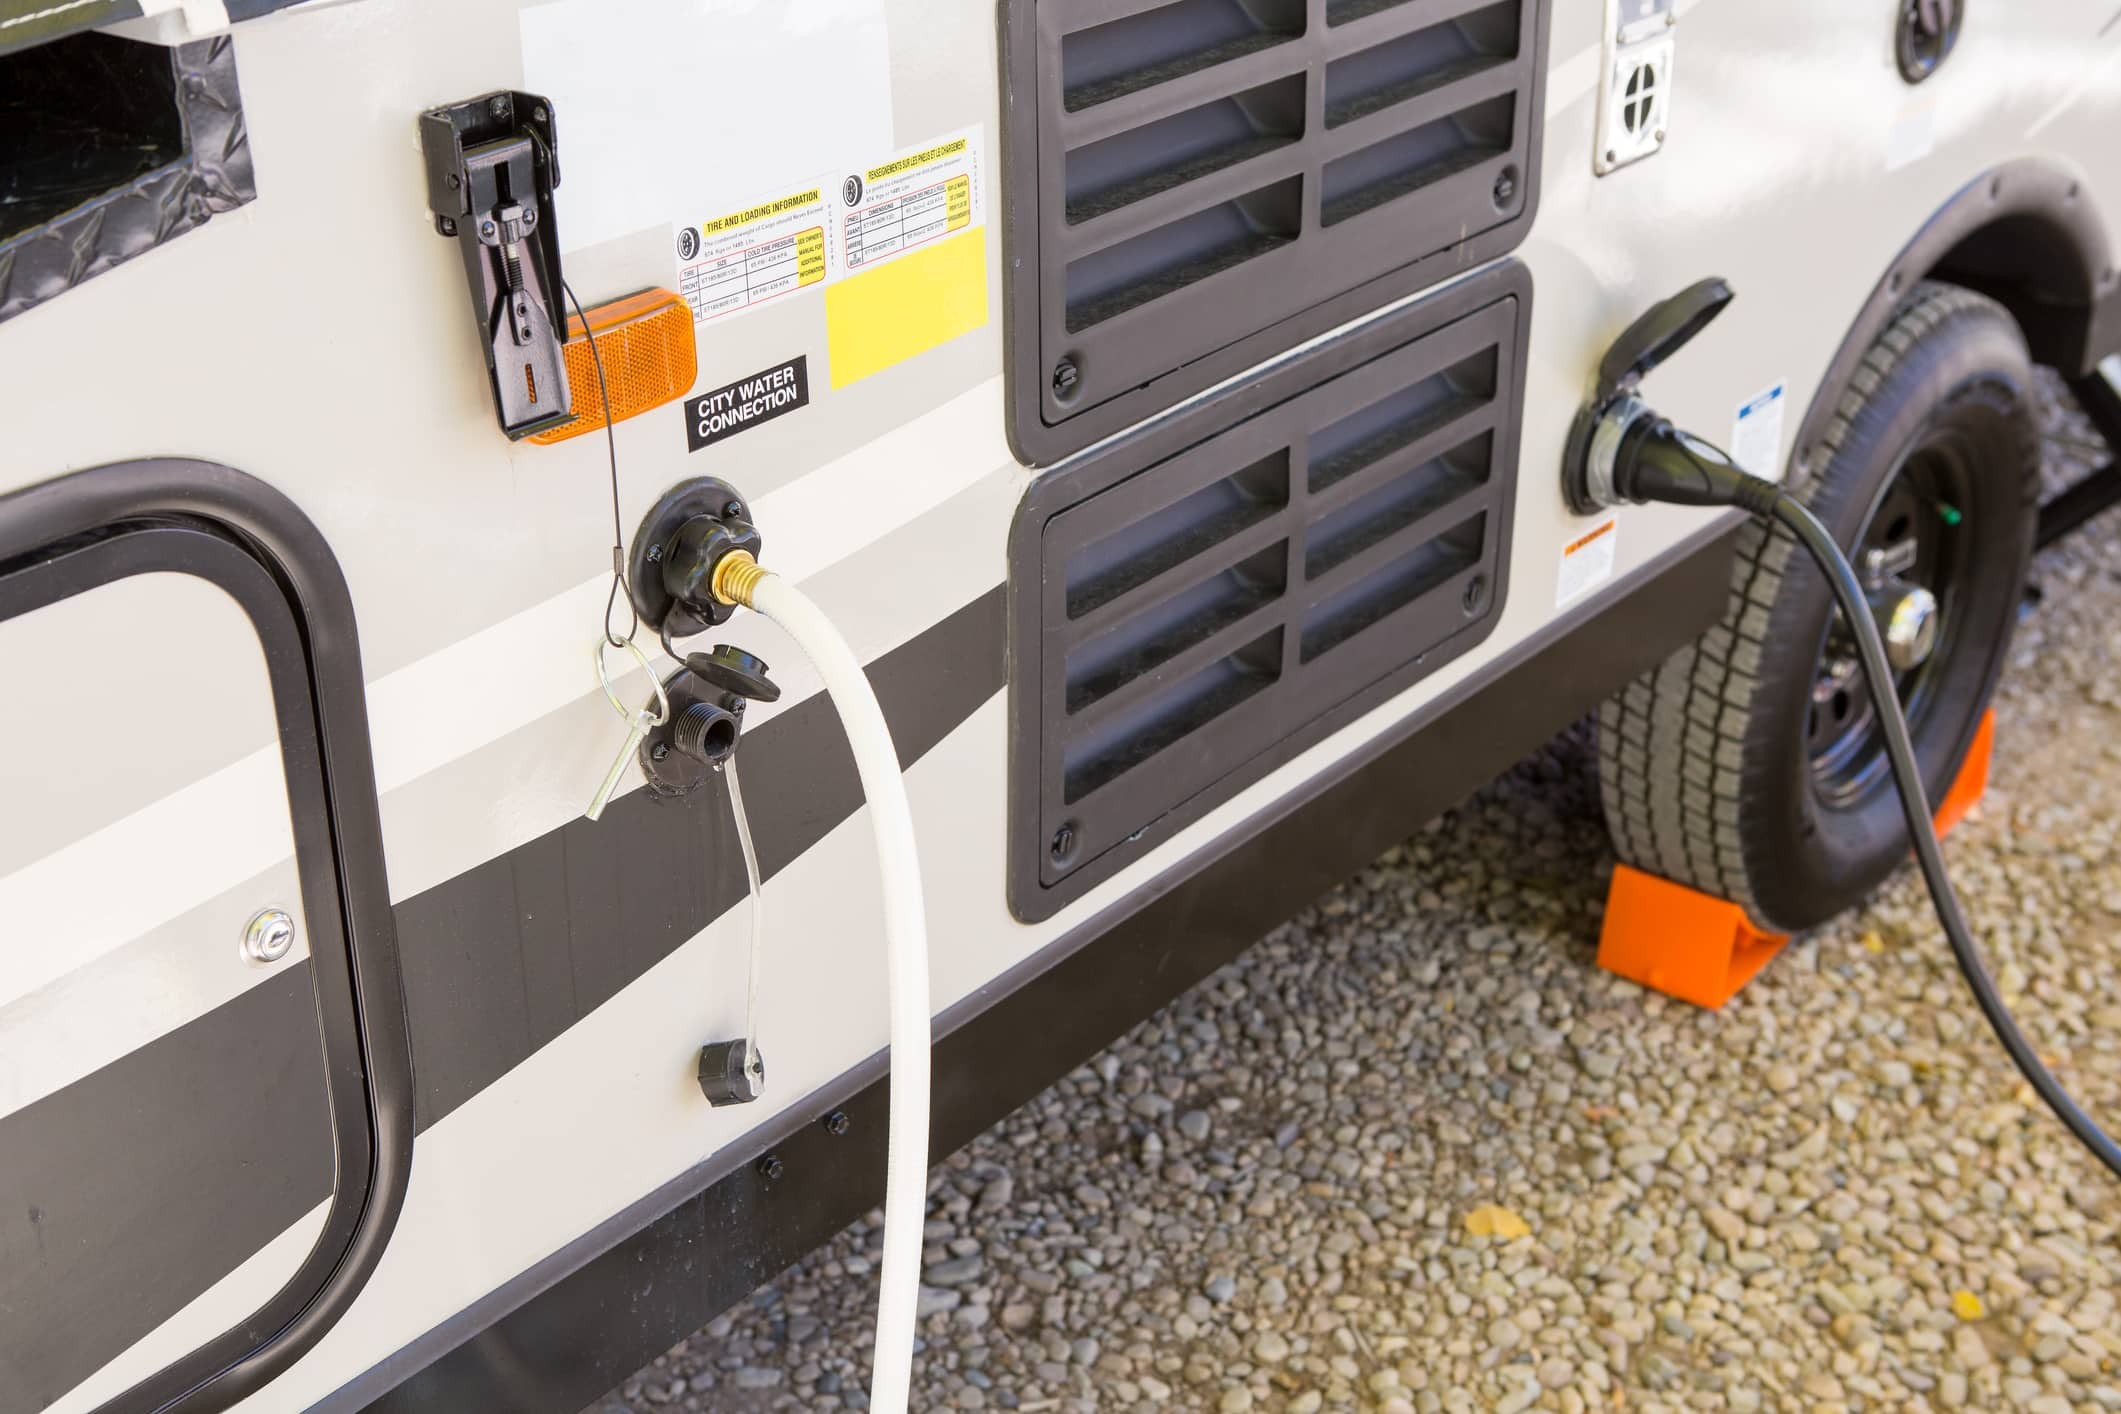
x: 736, y: 575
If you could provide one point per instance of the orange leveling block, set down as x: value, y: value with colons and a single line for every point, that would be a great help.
x: 1699, y: 949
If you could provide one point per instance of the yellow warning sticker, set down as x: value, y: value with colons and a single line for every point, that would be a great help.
x: 904, y: 307
x: 928, y: 156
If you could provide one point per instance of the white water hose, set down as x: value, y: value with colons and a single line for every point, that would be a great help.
x: 906, y: 949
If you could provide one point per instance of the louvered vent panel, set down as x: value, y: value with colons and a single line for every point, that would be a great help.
x: 1187, y: 617
x: 1197, y: 184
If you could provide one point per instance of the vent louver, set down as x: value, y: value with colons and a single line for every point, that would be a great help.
x: 1198, y: 184
x: 1194, y: 606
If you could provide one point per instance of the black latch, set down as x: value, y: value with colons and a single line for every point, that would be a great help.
x: 492, y: 164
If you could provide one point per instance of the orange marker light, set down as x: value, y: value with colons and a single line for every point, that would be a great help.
x: 649, y: 360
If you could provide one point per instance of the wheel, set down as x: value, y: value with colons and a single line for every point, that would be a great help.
x: 1750, y: 765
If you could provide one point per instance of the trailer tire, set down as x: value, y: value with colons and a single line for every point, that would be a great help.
x: 1709, y: 765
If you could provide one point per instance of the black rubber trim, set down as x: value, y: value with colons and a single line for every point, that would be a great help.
x: 72, y: 533
x: 214, y: 175
x: 578, y: 1323
x: 2036, y: 209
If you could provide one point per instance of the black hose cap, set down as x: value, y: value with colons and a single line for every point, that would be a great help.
x: 731, y: 669
x: 731, y: 1073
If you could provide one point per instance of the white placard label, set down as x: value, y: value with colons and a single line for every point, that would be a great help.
x: 1587, y: 562
x: 1756, y: 433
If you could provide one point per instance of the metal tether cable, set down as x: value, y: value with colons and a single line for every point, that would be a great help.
x: 1767, y: 500
x: 728, y: 768
x: 611, y: 448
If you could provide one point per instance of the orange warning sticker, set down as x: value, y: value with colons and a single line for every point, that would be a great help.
x: 1587, y: 562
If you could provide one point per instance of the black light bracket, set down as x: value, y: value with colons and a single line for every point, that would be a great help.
x: 492, y: 164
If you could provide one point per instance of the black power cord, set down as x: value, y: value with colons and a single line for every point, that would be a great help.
x: 1659, y: 463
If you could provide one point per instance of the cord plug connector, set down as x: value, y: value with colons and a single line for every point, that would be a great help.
x: 1658, y: 462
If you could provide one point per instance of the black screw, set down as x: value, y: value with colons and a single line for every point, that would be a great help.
x: 1063, y: 843
x: 1476, y: 593
x: 771, y: 1168
x: 658, y: 751
x: 446, y: 226
x: 499, y: 107
x: 734, y: 509
x: 1506, y: 187
x: 1065, y: 377
x: 837, y: 1123
x: 455, y: 181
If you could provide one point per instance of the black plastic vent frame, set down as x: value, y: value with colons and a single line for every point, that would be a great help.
x: 1201, y: 601
x: 1193, y: 186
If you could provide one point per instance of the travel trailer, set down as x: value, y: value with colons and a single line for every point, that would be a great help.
x: 1100, y: 470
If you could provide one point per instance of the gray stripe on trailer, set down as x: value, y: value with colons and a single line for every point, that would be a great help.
x: 105, y: 1230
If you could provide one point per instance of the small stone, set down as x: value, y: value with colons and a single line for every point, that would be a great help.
x: 1271, y: 1348
x: 1220, y: 1288
x: 1725, y: 1224
x: 1194, y: 1124
x: 1235, y: 1401
x: 934, y: 1299
x: 956, y: 1271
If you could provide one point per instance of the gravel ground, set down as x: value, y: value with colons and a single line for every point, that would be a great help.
x: 1836, y: 1194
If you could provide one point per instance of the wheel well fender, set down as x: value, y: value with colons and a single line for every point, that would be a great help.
x: 2028, y: 235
